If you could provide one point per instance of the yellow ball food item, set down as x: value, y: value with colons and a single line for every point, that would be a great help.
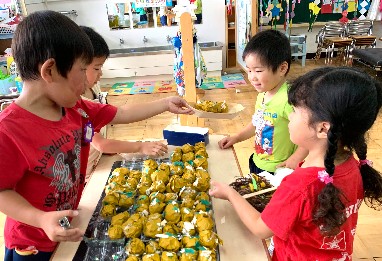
x: 151, y: 257
x: 169, y: 256
x: 135, y: 246
x: 169, y: 243
x: 115, y: 232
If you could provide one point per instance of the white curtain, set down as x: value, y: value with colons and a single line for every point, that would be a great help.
x: 374, y: 13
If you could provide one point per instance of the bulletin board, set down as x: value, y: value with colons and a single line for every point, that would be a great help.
x: 246, y: 19
x: 302, y: 14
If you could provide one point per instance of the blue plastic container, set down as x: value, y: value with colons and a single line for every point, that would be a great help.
x: 179, y: 135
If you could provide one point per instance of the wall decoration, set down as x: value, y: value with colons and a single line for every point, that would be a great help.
x: 327, y: 7
x: 150, y: 3
x: 363, y: 8
x: 314, y: 11
x: 310, y: 11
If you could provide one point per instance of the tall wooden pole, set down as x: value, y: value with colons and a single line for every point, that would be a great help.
x: 189, y: 67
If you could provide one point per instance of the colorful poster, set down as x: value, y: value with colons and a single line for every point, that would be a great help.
x: 327, y: 9
x: 338, y: 6
x: 352, y: 6
x: 150, y: 3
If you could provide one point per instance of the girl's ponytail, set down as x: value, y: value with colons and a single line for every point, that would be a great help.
x: 329, y: 214
x: 371, y: 178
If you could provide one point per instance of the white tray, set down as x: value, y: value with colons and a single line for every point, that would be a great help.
x: 233, y: 110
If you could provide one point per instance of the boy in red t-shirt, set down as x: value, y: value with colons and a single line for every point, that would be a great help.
x: 313, y: 213
x: 45, y: 134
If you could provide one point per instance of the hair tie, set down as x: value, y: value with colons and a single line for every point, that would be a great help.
x: 323, y: 176
x: 366, y: 162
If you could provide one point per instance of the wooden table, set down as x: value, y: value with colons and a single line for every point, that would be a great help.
x: 342, y: 43
x: 364, y: 40
x: 239, y: 243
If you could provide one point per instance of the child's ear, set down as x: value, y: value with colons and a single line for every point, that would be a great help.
x: 284, y: 68
x: 48, y: 69
x: 323, y: 129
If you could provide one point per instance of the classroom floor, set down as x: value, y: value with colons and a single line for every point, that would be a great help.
x: 368, y: 240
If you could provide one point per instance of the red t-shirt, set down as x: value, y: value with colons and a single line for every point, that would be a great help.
x: 289, y: 215
x: 45, y: 162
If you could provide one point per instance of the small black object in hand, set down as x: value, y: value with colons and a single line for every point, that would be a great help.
x: 64, y: 223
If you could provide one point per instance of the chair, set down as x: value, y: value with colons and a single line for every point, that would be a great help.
x: 298, y: 47
x: 361, y: 32
x: 331, y: 36
x: 5, y: 103
x: 359, y: 27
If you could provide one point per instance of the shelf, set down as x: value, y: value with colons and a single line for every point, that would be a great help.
x: 231, y: 39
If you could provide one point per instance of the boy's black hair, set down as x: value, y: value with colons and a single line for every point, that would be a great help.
x: 272, y: 47
x: 99, y: 44
x: 350, y: 101
x: 47, y: 34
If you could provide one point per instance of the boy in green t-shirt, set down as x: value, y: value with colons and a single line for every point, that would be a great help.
x: 268, y: 57
x: 198, y: 11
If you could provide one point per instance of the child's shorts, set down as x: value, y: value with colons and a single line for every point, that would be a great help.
x: 12, y: 255
x: 253, y: 168
x: 143, y: 17
x: 163, y: 20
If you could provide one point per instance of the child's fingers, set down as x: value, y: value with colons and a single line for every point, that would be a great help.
x: 163, y: 147
x: 213, y: 188
x: 69, y: 213
x: 71, y: 235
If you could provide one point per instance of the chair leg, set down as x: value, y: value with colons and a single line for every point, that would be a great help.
x: 318, y: 52
x: 303, y: 59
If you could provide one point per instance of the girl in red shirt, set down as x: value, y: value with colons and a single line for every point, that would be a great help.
x: 313, y: 213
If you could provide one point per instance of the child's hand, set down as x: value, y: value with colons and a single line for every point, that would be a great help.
x: 155, y: 148
x: 55, y: 232
x: 226, y: 142
x: 220, y: 190
x: 291, y: 163
x: 178, y: 105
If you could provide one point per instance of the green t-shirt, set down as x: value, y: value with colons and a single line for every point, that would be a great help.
x: 272, y: 142
x: 198, y: 4
x: 140, y: 10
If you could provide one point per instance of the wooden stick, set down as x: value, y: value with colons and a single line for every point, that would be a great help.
x: 259, y: 192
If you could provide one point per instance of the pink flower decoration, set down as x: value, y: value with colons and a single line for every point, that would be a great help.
x: 323, y: 176
x: 366, y: 162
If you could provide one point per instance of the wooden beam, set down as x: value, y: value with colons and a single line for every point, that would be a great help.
x: 189, y: 66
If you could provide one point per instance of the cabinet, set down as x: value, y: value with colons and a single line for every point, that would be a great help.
x: 155, y: 64
x: 231, y: 38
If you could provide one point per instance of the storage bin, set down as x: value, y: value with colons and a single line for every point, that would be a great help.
x: 5, y: 84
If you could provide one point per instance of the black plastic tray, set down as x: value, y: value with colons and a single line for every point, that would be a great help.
x: 113, y: 250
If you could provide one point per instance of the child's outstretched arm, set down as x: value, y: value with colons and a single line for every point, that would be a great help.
x: 140, y: 111
x: 229, y: 141
x: 292, y: 162
x: 154, y: 148
x: 11, y: 203
x: 247, y: 214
